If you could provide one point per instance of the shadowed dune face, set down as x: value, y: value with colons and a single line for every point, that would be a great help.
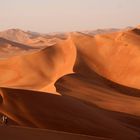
x: 61, y: 113
x: 1, y: 100
x: 37, y: 134
x: 137, y: 31
x: 101, y: 92
x: 90, y: 85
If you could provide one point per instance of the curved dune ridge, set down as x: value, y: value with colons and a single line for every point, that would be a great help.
x: 83, y: 84
x: 40, y: 69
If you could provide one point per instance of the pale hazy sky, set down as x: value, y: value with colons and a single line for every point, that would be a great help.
x: 68, y: 15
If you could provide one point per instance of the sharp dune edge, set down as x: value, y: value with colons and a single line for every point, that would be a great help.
x: 80, y: 87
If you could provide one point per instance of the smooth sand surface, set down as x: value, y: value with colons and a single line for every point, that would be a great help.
x: 23, y: 133
x: 79, y: 85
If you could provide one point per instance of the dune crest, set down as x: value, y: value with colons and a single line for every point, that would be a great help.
x: 114, y: 56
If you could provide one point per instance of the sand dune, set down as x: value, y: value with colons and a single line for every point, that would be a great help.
x: 81, y: 84
x: 114, y: 56
x: 101, y: 92
x: 100, y: 31
x: 9, y: 48
x: 39, y: 69
x: 31, y: 38
x: 62, y: 113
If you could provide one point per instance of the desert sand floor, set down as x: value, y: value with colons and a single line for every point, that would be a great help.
x: 40, y: 134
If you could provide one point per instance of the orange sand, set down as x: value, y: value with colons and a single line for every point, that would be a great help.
x: 79, y: 87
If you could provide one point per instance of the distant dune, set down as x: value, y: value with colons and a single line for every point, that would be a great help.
x: 79, y: 85
x: 10, y: 48
x: 31, y: 38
